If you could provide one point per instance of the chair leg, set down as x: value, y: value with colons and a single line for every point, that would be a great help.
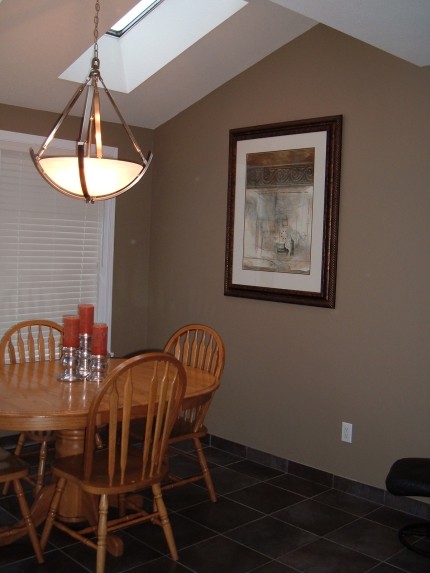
x: 41, y: 470
x: 18, y: 450
x: 25, y: 510
x: 102, y: 534
x: 49, y: 523
x: 165, y: 522
x: 20, y: 444
x: 205, y: 470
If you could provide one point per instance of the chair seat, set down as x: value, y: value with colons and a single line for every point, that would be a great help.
x: 72, y: 468
x: 184, y: 428
x: 11, y: 467
x: 410, y: 477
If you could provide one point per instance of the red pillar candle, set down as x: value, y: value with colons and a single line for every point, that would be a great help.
x: 99, y: 340
x: 86, y: 317
x: 71, y: 331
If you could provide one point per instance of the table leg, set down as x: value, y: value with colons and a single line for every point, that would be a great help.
x: 70, y: 443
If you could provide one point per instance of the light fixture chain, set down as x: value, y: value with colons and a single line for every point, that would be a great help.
x: 96, y: 29
x: 92, y: 177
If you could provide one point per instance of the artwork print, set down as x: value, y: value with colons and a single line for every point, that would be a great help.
x: 278, y: 211
x: 282, y: 213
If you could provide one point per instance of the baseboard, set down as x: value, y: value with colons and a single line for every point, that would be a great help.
x: 380, y: 496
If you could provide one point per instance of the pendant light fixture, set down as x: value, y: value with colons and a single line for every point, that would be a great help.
x: 87, y: 174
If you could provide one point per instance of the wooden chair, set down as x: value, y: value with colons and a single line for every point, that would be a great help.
x: 201, y: 347
x: 13, y: 470
x: 32, y: 341
x: 124, y: 467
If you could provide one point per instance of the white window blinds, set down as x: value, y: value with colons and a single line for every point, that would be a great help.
x: 55, y: 251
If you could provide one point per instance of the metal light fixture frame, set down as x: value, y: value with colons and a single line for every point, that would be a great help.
x: 90, y: 134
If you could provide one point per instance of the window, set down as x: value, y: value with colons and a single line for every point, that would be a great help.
x: 55, y: 251
x: 133, y: 17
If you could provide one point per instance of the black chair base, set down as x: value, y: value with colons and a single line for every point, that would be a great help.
x: 411, y: 533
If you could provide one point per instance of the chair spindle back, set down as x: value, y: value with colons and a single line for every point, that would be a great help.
x: 31, y: 341
x: 125, y: 396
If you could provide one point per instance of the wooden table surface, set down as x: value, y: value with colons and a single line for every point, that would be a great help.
x: 32, y: 398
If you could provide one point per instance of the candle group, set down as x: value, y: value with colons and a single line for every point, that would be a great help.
x: 84, y: 324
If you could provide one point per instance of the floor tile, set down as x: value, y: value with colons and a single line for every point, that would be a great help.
x: 162, y: 565
x: 255, y: 470
x: 410, y: 561
x: 20, y: 549
x: 5, y: 517
x: 368, y: 537
x: 274, y: 567
x: 311, y: 474
x: 185, y: 531
x: 298, y: 485
x: 393, y: 518
x: 265, y: 497
x: 271, y: 536
x: 227, y: 480
x: 221, y: 555
x: 385, y: 568
x: 184, y: 496
x: 135, y: 553
x: 54, y: 561
x: 323, y: 556
x: 220, y: 457
x: 183, y: 467
x: 315, y: 517
x: 346, y: 502
x: 221, y: 516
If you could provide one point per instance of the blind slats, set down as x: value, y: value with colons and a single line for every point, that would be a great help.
x: 50, y: 246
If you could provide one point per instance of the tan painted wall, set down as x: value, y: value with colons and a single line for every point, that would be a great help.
x: 132, y: 218
x: 294, y: 373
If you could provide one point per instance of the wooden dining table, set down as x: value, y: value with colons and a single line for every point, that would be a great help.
x: 33, y: 398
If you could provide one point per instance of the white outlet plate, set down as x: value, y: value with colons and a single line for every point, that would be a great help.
x: 346, y: 432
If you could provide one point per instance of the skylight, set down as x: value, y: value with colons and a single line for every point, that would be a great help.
x: 152, y: 42
x: 132, y: 17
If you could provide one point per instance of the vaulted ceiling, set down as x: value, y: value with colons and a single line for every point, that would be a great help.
x: 40, y: 40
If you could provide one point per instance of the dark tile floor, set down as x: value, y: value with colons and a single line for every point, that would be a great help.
x: 265, y: 521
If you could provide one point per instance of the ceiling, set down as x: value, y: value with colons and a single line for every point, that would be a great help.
x: 40, y: 40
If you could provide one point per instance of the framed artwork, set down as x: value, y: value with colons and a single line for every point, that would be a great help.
x: 283, y: 208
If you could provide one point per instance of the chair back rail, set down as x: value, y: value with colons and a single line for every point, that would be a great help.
x: 31, y: 341
x: 126, y: 397
x: 198, y: 346
x: 35, y: 340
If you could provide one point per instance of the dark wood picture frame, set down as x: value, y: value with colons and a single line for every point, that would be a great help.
x: 283, y: 211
